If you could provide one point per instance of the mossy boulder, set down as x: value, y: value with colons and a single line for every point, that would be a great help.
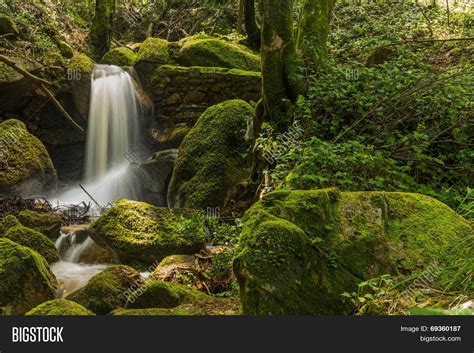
x: 152, y: 53
x: 7, y: 26
x: 140, y: 234
x: 215, y: 52
x: 160, y: 294
x: 59, y: 307
x: 25, y: 279
x: 27, y: 167
x: 213, y: 158
x: 300, y: 250
x: 28, y: 237
x: 82, y: 63
x: 107, y: 290
x: 48, y: 223
x: 122, y: 56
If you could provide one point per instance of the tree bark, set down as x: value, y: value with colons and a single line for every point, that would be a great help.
x: 102, y: 26
x: 314, y: 29
x: 280, y: 64
x: 251, y: 26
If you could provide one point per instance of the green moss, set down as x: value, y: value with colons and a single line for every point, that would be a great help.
x: 83, y: 63
x: 6, y: 73
x: 140, y: 234
x: 167, y: 70
x: 107, y: 290
x: 25, y: 279
x: 65, y: 49
x: 213, y: 157
x: 8, y: 222
x: 47, y: 223
x: 59, y: 307
x: 300, y: 250
x: 34, y: 240
x: 181, y: 310
x: 26, y: 157
x: 120, y: 57
x: 159, y: 294
x: 213, y: 52
x: 7, y: 26
x: 152, y: 52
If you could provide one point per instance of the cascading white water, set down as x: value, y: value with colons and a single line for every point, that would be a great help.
x: 70, y: 273
x: 112, y: 132
x: 113, y: 120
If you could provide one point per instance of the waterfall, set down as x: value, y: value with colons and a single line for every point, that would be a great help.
x: 113, y: 120
x: 112, y: 132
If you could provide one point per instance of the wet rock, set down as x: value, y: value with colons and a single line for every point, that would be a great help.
x: 47, y: 223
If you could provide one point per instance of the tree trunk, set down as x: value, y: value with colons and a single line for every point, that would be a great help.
x: 314, y: 30
x: 251, y: 26
x: 240, y: 17
x: 102, y: 26
x: 280, y: 64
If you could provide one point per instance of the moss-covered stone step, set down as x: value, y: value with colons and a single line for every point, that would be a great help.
x: 182, y: 94
x: 300, y: 250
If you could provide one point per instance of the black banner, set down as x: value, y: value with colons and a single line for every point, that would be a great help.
x: 219, y: 334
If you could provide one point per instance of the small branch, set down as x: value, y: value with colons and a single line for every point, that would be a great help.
x: 39, y: 82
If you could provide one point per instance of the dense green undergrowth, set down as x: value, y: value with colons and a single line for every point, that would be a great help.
x: 403, y: 124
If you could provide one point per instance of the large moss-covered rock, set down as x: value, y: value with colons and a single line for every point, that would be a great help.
x: 25, y: 279
x: 107, y: 290
x: 27, y: 168
x: 152, y: 53
x: 213, y: 157
x: 48, y: 223
x: 214, y: 52
x: 122, y: 56
x: 59, y: 307
x: 160, y: 294
x: 7, y: 26
x: 300, y: 250
x: 140, y: 234
x: 11, y: 229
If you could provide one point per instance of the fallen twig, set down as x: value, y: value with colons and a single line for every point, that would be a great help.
x: 41, y: 84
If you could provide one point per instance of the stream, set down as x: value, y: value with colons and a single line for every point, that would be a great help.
x: 69, y: 271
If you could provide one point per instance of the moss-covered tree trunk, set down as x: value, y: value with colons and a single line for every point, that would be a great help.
x: 313, y: 29
x: 102, y: 26
x: 280, y: 64
x: 251, y: 26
